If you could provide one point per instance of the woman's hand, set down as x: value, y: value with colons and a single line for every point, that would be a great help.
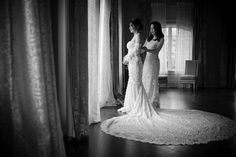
x: 125, y: 60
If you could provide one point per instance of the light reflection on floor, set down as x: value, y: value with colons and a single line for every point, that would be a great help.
x: 104, y: 145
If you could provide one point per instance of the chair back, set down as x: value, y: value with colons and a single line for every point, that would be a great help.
x: 191, y: 67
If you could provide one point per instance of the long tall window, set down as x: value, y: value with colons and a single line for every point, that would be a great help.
x: 177, y: 49
x: 176, y: 20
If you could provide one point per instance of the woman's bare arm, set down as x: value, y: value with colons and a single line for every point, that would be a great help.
x: 158, y: 47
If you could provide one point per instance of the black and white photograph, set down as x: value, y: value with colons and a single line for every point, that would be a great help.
x: 117, y: 78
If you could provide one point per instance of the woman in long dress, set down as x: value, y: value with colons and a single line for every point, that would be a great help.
x: 134, y: 62
x: 147, y: 123
x: 151, y: 67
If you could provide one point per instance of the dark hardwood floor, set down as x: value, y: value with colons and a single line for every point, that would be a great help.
x: 212, y: 100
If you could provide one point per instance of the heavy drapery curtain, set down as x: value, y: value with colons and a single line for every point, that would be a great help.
x: 77, y: 61
x: 99, y: 58
x: 199, y: 41
x: 120, y: 32
x: 228, y: 52
x: 61, y: 17
x: 116, y: 47
x: 6, y: 125
x: 220, y: 57
x: 26, y: 44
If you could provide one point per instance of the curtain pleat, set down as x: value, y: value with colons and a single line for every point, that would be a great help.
x: 99, y: 58
x: 105, y: 85
x: 78, y: 67
x: 93, y: 26
x: 31, y: 79
x: 120, y: 34
x: 199, y: 41
x: 114, y: 47
x: 6, y: 125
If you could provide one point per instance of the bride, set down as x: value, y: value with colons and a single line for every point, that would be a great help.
x: 147, y: 123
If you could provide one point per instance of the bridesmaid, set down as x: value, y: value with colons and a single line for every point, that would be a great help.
x: 151, y: 67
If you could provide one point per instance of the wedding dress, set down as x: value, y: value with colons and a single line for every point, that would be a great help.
x: 150, y: 74
x: 146, y: 123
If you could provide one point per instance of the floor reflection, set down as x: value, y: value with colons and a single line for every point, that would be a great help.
x: 218, y: 101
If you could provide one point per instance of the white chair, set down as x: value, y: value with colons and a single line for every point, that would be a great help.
x: 191, y: 73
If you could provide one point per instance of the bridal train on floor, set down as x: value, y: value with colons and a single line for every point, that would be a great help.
x: 147, y: 123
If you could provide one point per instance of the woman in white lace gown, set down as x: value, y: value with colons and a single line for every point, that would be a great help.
x: 149, y: 124
x: 134, y: 62
x: 151, y: 67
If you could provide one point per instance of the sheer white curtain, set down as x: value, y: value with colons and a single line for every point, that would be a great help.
x: 163, y: 55
x: 105, y: 91
x: 184, y: 49
x: 93, y: 29
x: 184, y: 18
x: 100, y: 76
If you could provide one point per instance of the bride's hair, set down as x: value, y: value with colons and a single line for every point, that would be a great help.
x: 137, y: 23
x: 158, y: 30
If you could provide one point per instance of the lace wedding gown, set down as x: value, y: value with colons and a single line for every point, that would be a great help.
x: 150, y: 74
x: 149, y: 124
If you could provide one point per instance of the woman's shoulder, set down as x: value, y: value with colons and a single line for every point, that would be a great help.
x: 161, y: 40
